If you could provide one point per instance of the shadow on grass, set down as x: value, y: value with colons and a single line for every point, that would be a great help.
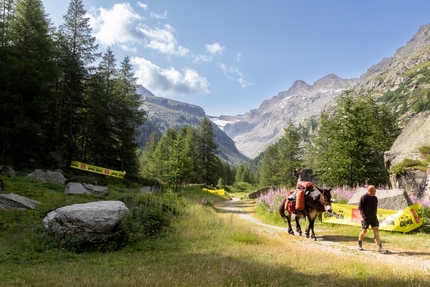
x: 188, y: 268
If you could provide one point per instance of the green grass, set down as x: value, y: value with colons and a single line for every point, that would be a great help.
x: 201, y: 246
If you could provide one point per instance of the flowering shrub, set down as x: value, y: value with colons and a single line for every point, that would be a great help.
x: 272, y: 199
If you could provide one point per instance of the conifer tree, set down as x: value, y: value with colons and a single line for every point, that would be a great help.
x: 206, y: 151
x: 289, y: 154
x: 98, y: 138
x: 78, y: 52
x: 127, y: 116
x: 147, y: 160
x: 269, y: 167
x: 351, y: 142
x: 28, y: 73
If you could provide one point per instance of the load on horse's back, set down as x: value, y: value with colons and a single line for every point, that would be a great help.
x: 305, y: 201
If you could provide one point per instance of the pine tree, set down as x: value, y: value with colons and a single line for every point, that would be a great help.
x: 127, y: 117
x: 26, y: 85
x: 98, y: 138
x: 78, y: 52
x: 206, y: 151
x: 269, y: 167
x: 147, y: 161
x: 289, y: 155
x: 351, y: 142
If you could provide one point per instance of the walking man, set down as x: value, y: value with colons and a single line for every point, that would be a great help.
x: 368, y: 206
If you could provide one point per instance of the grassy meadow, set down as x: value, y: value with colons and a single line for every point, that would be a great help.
x: 197, y: 244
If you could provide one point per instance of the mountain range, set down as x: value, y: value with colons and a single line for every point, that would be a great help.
x: 402, y: 82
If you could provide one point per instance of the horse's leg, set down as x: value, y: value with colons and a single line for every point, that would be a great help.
x: 311, y: 228
x: 290, y: 228
x: 298, y: 227
x: 312, y: 214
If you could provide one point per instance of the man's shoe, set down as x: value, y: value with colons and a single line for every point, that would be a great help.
x: 380, y: 249
x: 360, y: 246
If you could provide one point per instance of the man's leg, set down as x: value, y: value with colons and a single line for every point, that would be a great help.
x: 360, y: 237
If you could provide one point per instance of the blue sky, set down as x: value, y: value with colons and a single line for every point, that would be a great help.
x: 228, y: 56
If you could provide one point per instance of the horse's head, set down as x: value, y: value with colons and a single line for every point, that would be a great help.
x: 325, y: 198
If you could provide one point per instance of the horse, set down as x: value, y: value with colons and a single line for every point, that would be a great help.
x: 316, y: 201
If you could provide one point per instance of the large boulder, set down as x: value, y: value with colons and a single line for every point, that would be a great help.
x: 394, y: 199
x: 414, y: 135
x: 7, y: 171
x: 89, y: 222
x: 96, y: 189
x: 406, y: 146
x: 48, y: 176
x: 15, y: 201
x: 85, y: 188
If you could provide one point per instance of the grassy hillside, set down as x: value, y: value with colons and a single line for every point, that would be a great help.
x: 199, y: 244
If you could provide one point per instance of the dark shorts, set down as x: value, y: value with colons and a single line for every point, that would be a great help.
x: 370, y: 222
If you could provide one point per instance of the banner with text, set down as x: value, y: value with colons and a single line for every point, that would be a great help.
x: 391, y: 220
x: 97, y: 169
x: 216, y: 191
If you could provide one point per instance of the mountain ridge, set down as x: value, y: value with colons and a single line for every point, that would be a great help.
x: 401, y: 81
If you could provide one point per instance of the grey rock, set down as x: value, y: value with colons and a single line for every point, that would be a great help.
x: 96, y: 189
x: 413, y: 136
x: 394, y: 199
x: 48, y: 176
x: 15, y: 201
x: 7, y: 171
x: 76, y: 188
x: 260, y: 192
x: 91, y: 222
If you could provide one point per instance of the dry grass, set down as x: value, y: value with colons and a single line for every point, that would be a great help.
x: 209, y: 246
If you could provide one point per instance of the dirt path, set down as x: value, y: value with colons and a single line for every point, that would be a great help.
x: 328, y: 243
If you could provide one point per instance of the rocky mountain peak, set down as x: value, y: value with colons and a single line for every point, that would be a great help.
x: 419, y: 41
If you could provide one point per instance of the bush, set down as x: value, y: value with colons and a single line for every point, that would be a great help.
x: 407, y: 163
x: 150, y: 215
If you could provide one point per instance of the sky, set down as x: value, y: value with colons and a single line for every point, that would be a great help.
x: 228, y: 56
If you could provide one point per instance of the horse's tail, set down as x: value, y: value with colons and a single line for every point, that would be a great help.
x: 281, y: 209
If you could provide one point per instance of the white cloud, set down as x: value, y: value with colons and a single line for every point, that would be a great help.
x: 121, y: 26
x: 159, y: 16
x: 233, y: 73
x: 142, y: 5
x: 163, y: 82
x: 163, y: 40
x: 116, y: 26
x: 214, y: 48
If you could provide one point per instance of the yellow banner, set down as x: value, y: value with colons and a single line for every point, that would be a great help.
x: 216, y: 191
x: 391, y: 220
x: 97, y: 169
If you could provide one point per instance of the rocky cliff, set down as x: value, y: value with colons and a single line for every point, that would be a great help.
x: 406, y: 146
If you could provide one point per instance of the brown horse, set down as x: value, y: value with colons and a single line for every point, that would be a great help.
x: 316, y: 201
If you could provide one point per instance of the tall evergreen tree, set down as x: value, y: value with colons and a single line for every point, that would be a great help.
x: 161, y: 154
x: 351, y: 142
x: 97, y: 139
x: 206, y: 151
x: 127, y: 116
x: 188, y: 135
x: 289, y: 155
x: 29, y: 73
x: 147, y: 161
x: 269, y: 167
x: 78, y: 52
